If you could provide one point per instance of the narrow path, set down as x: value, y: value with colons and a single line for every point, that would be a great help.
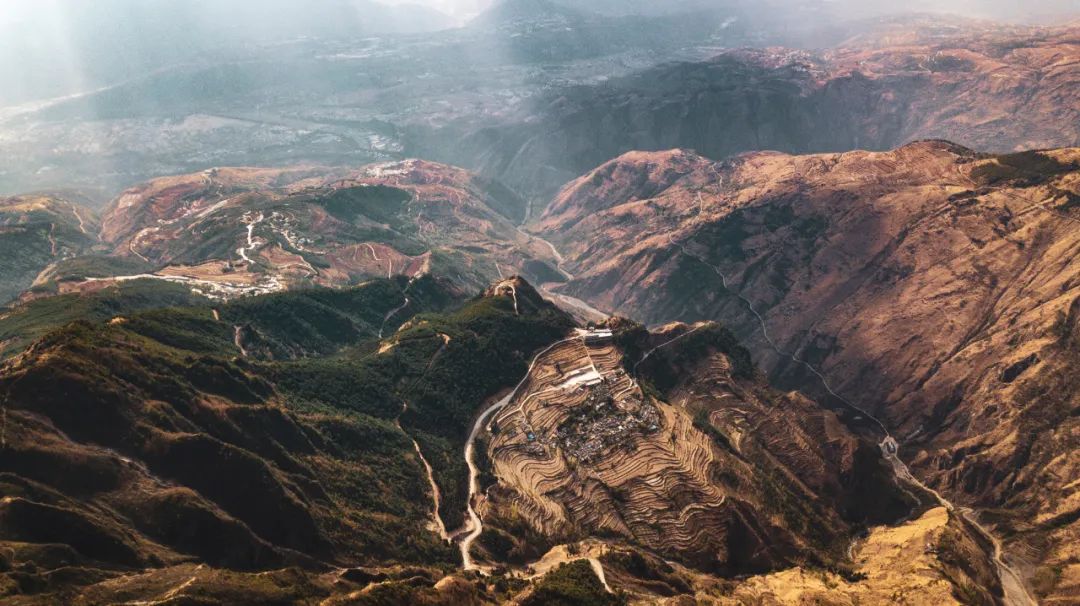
x: 436, y: 495
x: 131, y: 247
x: 251, y: 243
x: 598, y: 568
x: 394, y: 312
x: 390, y: 262
x: 662, y: 345
x: 474, y: 525
x: 52, y: 239
x: 238, y: 339
x: 82, y: 223
x: 391, y: 314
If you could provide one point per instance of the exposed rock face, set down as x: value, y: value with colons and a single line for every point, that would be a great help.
x: 989, y: 87
x: 931, y: 285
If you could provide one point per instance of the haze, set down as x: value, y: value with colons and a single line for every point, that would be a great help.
x: 147, y: 71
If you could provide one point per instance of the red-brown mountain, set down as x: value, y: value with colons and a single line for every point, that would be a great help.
x: 935, y: 287
x: 228, y: 232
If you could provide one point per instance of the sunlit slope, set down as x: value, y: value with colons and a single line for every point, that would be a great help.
x: 233, y: 232
x: 687, y: 454
x: 932, y: 285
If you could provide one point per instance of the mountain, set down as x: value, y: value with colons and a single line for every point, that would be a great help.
x: 215, y: 454
x: 509, y: 13
x: 532, y: 94
x: 545, y: 32
x: 277, y: 450
x: 604, y: 440
x: 231, y: 232
x: 37, y: 231
x: 989, y: 87
x: 931, y: 286
x: 124, y: 97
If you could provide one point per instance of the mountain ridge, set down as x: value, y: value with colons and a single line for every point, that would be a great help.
x: 931, y: 285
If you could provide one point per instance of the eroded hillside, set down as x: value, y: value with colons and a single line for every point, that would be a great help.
x: 275, y: 449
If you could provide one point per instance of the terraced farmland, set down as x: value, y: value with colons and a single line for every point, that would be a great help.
x: 586, y: 448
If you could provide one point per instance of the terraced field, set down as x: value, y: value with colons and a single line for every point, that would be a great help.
x: 581, y: 408
x: 586, y: 448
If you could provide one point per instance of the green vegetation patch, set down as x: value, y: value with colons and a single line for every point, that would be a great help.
x: 376, y: 202
x: 573, y: 584
x: 30, y: 321
x: 664, y: 368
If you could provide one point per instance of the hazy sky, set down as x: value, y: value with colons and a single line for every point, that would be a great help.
x: 11, y: 10
x: 450, y: 7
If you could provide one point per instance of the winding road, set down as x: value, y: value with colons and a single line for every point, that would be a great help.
x: 391, y: 314
x: 584, y: 310
x: 1016, y: 593
x: 251, y: 243
x: 475, y: 525
x: 390, y: 262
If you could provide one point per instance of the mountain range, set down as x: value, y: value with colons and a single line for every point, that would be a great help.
x: 572, y: 323
x: 853, y: 243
